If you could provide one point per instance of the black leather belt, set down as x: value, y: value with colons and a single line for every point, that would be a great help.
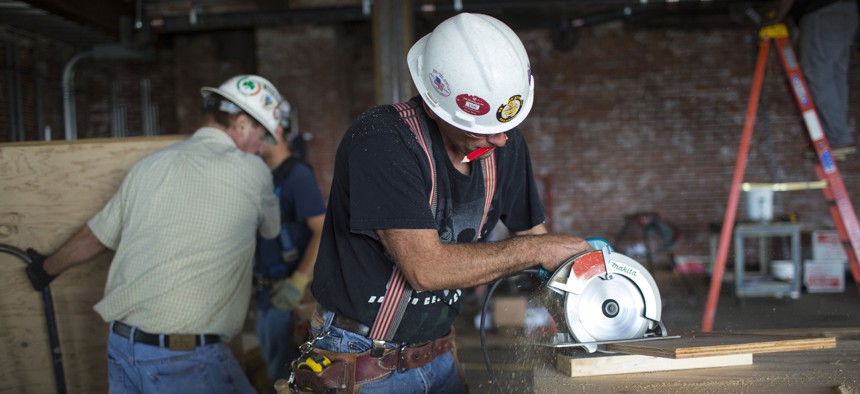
x: 262, y: 282
x: 343, y: 322
x: 172, y: 342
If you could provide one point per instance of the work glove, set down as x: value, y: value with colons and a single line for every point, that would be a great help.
x: 36, y: 270
x: 597, y: 243
x: 288, y: 292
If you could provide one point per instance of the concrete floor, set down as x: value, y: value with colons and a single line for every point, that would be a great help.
x: 515, y: 357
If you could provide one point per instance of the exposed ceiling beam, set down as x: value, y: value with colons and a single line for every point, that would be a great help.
x: 25, y: 17
x: 519, y: 10
x: 100, y: 15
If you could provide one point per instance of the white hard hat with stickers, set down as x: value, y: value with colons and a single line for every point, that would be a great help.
x: 474, y: 73
x: 254, y: 95
x: 286, y: 111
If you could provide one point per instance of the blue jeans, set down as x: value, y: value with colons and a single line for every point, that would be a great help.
x: 275, y: 331
x: 437, y: 376
x: 140, y: 368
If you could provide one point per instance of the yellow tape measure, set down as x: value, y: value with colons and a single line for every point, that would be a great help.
x: 316, y: 363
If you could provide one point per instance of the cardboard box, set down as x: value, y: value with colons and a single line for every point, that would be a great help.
x: 509, y: 311
x: 826, y: 245
x: 824, y: 276
x: 691, y: 264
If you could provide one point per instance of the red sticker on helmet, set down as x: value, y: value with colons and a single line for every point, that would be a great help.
x: 472, y: 105
x: 510, y: 109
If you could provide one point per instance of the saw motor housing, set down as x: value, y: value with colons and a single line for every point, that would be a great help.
x: 607, y: 297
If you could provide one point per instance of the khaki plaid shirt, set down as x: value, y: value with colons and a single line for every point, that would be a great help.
x: 183, y: 225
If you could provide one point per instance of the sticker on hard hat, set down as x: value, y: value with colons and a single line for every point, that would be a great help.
x: 439, y: 83
x: 248, y: 86
x: 472, y: 105
x: 269, y: 99
x: 276, y: 113
x: 268, y: 102
x: 510, y: 109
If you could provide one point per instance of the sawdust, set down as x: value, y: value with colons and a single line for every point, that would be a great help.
x: 844, y: 389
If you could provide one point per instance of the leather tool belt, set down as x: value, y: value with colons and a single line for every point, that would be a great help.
x: 349, y: 371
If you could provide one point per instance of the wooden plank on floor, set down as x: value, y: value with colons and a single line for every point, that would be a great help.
x: 603, y: 364
x: 718, y: 344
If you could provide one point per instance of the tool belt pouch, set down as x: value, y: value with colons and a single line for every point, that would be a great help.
x: 339, y: 377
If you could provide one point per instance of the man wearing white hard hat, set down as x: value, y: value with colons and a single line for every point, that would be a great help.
x: 417, y: 186
x: 284, y: 266
x: 183, y: 225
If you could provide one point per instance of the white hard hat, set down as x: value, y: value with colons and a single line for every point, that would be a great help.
x: 286, y: 113
x: 254, y: 95
x: 474, y: 73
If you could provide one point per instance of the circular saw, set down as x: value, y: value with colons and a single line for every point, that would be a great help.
x: 607, y: 297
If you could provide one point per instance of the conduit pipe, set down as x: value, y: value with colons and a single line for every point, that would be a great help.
x: 99, y: 52
x: 69, y: 115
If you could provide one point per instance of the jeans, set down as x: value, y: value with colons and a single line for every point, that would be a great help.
x: 140, y: 368
x: 275, y: 331
x: 826, y: 36
x: 437, y: 376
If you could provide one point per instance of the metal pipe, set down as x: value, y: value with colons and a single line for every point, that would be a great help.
x: 50, y: 321
x: 40, y: 106
x: 146, y: 107
x: 69, y: 95
x: 13, y: 91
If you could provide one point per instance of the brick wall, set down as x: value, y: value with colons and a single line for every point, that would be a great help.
x: 650, y: 120
x: 326, y: 73
x: 630, y: 120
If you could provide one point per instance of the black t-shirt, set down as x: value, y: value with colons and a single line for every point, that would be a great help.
x: 382, y: 179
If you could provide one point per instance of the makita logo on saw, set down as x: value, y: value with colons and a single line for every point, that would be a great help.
x: 625, y: 269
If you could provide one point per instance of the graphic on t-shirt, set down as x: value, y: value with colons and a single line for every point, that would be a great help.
x: 425, y: 298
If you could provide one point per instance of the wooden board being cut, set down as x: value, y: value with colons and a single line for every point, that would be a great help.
x: 606, y: 364
x: 695, y: 351
x: 718, y: 344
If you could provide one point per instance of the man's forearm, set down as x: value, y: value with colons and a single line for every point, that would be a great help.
x: 306, y: 266
x: 430, y: 265
x: 82, y: 247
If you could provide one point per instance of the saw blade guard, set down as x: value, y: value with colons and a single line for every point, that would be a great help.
x: 607, y: 296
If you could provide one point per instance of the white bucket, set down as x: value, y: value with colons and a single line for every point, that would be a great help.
x: 782, y: 270
x: 760, y: 205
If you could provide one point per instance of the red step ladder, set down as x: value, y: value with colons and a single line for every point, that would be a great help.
x: 837, y: 198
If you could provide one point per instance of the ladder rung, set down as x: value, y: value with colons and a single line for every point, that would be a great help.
x: 784, y: 186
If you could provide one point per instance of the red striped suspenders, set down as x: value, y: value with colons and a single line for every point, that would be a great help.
x: 398, y: 291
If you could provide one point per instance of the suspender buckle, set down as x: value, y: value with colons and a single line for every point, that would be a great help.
x: 401, y: 357
x: 378, y: 348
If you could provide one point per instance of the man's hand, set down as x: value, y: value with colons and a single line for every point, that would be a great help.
x: 36, y: 270
x: 288, y: 292
x: 598, y: 243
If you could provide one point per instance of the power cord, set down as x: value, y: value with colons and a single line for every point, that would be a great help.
x: 482, y: 328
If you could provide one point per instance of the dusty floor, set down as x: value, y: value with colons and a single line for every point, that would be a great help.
x: 515, y: 358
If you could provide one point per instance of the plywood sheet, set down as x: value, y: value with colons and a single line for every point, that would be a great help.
x: 603, y: 364
x: 48, y: 190
x: 717, y: 344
